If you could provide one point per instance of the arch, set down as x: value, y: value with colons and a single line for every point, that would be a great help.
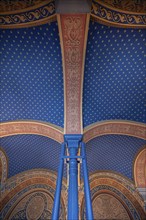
x: 32, y: 127
x: 120, y: 188
x: 121, y: 127
x: 140, y: 168
x: 22, y: 188
x: 3, y: 166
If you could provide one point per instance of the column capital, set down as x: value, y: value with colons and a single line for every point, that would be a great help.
x: 73, y: 140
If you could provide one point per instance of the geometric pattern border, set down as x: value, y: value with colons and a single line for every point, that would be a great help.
x: 111, y: 16
x: 115, y: 127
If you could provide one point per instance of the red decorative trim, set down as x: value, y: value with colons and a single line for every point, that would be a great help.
x: 31, y: 127
x: 115, y: 127
x: 73, y: 30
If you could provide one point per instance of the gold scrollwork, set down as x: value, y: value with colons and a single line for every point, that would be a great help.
x: 116, y: 17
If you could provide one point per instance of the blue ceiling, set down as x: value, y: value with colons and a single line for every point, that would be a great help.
x: 110, y: 152
x: 31, y: 74
x: 114, y: 153
x: 114, y: 80
x: 27, y: 152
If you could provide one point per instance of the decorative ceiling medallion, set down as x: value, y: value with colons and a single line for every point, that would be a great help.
x: 73, y: 30
x: 30, y: 16
x: 31, y: 127
x: 108, y: 15
x: 115, y: 127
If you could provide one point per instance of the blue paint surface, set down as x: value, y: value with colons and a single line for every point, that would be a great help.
x: 27, y: 152
x: 114, y: 153
x: 114, y: 80
x: 31, y: 74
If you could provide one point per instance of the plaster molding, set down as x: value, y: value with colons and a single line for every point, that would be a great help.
x: 119, y: 127
x: 31, y: 127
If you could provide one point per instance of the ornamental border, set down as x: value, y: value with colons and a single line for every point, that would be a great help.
x: 32, y: 127
x: 107, y: 15
x: 116, y: 127
x: 31, y: 16
x: 119, y: 127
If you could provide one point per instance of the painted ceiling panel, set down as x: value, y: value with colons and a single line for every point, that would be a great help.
x: 113, y: 152
x: 31, y: 76
x: 27, y: 152
x: 114, y: 80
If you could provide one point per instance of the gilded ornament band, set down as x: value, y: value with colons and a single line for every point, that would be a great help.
x: 104, y: 14
x: 38, y: 15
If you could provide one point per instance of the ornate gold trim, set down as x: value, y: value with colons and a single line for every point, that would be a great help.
x: 105, y: 14
x: 30, y: 24
x: 115, y: 127
x: 31, y: 16
x: 31, y: 127
x: 26, y: 9
x: 117, y: 9
x: 112, y: 24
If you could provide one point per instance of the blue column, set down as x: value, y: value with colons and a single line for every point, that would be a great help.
x: 89, y: 212
x: 56, y: 206
x: 73, y: 143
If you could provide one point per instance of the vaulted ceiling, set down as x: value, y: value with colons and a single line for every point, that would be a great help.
x: 32, y: 88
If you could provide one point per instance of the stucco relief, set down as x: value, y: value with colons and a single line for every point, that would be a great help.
x: 106, y: 206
